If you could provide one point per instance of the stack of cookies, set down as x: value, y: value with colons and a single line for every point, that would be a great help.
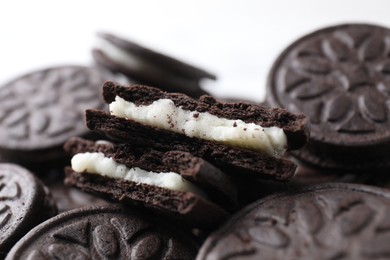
x: 180, y: 155
x: 170, y: 176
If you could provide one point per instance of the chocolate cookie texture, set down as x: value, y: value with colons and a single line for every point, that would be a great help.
x: 340, y: 77
x: 329, y: 221
x: 146, y: 66
x: 24, y: 203
x: 236, y: 137
x: 41, y: 110
x: 294, y: 126
x: 104, y: 233
x: 174, y: 183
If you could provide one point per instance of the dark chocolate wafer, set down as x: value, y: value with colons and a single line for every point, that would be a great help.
x: 105, y: 233
x: 39, y: 111
x: 340, y: 77
x: 175, y: 183
x: 328, y: 221
x: 24, y: 203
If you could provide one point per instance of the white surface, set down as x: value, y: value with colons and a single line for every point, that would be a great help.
x: 237, y: 40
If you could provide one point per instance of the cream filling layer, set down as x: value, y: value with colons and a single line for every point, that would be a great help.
x: 97, y: 163
x: 164, y: 114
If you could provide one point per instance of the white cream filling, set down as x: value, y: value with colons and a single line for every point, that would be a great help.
x: 126, y: 58
x: 164, y: 114
x: 97, y: 163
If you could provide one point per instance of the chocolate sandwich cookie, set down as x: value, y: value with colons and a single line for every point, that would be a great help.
x: 328, y: 221
x: 39, y: 111
x: 340, y: 77
x: 236, y: 137
x: 105, y: 233
x: 148, y: 67
x: 24, y: 203
x: 175, y: 183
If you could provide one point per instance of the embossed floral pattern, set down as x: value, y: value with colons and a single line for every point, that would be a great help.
x: 107, y: 240
x: 18, y: 199
x: 10, y: 191
x: 105, y: 233
x: 340, y: 78
x: 5, y: 196
x: 324, y: 224
x: 47, y: 106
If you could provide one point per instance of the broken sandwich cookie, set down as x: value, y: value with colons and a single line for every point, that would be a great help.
x: 235, y: 137
x: 175, y: 183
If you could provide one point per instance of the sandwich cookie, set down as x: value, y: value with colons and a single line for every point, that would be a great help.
x: 328, y: 221
x: 236, y: 137
x: 105, y: 233
x: 148, y: 67
x: 39, y: 111
x: 340, y: 77
x: 24, y: 203
x: 175, y: 183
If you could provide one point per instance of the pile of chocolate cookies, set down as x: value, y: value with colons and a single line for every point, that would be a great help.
x: 167, y: 172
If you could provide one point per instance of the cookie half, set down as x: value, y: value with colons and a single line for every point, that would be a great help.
x: 236, y: 137
x: 105, y: 233
x: 175, y: 183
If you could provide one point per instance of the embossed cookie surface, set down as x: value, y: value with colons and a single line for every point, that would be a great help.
x: 103, y: 233
x: 24, y: 203
x: 335, y: 221
x: 340, y: 77
x: 41, y: 110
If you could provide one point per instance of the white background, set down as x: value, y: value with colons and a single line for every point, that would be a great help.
x: 236, y: 40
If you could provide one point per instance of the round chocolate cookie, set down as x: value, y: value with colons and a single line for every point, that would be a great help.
x: 329, y: 221
x: 340, y: 77
x: 104, y: 233
x: 24, y: 203
x: 146, y: 66
x: 41, y: 110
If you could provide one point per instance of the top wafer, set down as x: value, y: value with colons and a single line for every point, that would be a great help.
x: 340, y: 77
